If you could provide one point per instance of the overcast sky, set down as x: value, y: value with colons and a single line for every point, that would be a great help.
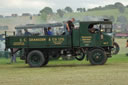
x: 7, y: 7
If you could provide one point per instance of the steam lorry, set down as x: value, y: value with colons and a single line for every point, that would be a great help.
x: 95, y: 47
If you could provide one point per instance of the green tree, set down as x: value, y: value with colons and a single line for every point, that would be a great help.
x: 68, y: 9
x: 78, y: 9
x: 120, y: 7
x: 84, y: 10
x: 45, y: 12
x: 60, y: 12
x: 81, y: 9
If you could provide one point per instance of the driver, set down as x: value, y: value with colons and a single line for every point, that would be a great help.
x: 91, y: 28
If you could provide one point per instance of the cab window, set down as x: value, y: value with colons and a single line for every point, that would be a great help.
x: 106, y: 28
x: 93, y: 28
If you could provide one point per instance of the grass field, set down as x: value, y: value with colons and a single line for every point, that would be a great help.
x: 122, y: 44
x: 114, y: 72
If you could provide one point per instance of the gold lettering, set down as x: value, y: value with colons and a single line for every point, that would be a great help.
x: 18, y: 43
x: 37, y: 39
x: 105, y: 43
x: 49, y: 39
x: 86, y: 37
x: 58, y: 41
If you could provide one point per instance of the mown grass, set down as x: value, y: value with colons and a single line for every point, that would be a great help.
x: 71, y: 72
x: 122, y: 44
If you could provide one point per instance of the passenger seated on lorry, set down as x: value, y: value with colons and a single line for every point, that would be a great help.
x: 49, y: 32
x: 27, y: 33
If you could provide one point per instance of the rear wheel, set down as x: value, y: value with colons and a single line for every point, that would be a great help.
x: 36, y: 59
x: 115, y: 49
x: 80, y: 57
x: 97, y: 57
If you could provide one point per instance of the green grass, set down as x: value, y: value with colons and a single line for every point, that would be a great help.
x: 122, y: 44
x: 114, y: 72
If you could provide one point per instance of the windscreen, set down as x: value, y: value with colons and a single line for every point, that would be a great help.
x: 106, y: 28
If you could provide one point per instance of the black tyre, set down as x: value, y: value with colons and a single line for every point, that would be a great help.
x: 36, y: 59
x: 80, y: 57
x: 97, y: 57
x: 115, y: 49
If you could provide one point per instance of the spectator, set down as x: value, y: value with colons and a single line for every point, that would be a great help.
x: 13, y: 58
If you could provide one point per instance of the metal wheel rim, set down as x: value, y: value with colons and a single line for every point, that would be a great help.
x: 98, y: 57
x: 35, y: 59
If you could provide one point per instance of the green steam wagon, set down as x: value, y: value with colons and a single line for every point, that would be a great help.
x: 96, y: 45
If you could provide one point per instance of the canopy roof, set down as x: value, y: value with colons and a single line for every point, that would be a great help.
x: 32, y: 26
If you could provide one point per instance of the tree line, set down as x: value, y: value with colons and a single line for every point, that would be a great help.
x: 117, y: 5
x: 47, y: 11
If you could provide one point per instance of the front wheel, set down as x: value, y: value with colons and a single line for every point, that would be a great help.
x: 97, y: 57
x: 36, y: 59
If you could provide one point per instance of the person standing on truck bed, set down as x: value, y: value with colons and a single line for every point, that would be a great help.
x: 70, y: 25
